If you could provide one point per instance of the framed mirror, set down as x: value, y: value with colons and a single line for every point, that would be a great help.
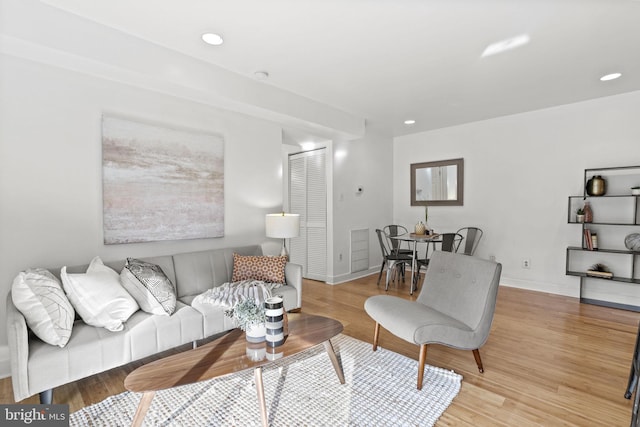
x: 437, y: 183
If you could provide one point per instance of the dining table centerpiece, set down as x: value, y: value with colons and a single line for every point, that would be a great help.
x: 422, y: 227
x: 250, y: 316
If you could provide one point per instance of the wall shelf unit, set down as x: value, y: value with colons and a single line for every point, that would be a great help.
x: 615, y: 215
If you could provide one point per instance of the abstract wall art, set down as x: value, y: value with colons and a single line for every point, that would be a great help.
x: 160, y: 183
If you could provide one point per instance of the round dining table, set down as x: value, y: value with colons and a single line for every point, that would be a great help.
x: 414, y: 239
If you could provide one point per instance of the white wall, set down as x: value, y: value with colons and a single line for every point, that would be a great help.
x: 519, y: 172
x: 50, y: 168
x: 364, y: 162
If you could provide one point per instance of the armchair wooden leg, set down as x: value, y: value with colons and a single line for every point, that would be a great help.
x: 476, y: 355
x: 376, y: 334
x: 421, y: 362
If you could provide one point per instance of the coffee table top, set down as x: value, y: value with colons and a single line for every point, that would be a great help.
x: 228, y: 354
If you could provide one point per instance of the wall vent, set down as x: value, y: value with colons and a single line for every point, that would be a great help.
x: 359, y: 250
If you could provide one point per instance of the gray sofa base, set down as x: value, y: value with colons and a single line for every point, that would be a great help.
x: 37, y: 367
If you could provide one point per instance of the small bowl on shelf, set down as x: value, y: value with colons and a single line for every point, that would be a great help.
x: 635, y: 191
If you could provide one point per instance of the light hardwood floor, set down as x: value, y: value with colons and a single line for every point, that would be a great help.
x: 549, y: 360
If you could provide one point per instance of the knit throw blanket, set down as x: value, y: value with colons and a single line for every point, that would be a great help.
x: 229, y: 294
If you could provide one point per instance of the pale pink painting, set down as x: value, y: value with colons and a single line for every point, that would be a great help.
x: 160, y: 183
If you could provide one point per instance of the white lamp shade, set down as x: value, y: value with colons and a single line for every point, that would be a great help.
x: 282, y: 225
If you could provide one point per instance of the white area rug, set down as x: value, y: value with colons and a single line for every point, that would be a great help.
x: 302, y: 390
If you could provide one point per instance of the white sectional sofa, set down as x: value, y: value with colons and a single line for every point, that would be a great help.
x: 38, y: 367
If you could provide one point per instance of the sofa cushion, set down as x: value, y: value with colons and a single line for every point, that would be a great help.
x: 90, y: 350
x: 148, y: 334
x: 266, y: 268
x: 149, y: 286
x: 39, y: 296
x: 98, y: 296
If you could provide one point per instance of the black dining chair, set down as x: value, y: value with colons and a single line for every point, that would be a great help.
x: 471, y: 239
x: 449, y: 242
x: 395, y: 246
x: 390, y: 259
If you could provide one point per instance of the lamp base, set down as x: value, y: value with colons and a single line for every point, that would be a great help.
x: 284, y: 251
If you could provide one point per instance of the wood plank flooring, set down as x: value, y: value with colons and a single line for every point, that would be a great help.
x: 549, y: 360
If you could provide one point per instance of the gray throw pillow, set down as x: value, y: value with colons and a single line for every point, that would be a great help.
x: 149, y: 286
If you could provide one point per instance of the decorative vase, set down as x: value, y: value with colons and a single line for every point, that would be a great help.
x: 256, y: 333
x: 274, y: 310
x: 596, y: 186
x: 588, y: 213
x: 420, y: 228
x: 632, y: 242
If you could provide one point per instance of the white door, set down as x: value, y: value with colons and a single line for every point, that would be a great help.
x: 308, y: 198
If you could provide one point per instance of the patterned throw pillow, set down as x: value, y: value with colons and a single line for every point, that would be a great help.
x: 149, y: 286
x: 38, y: 295
x: 269, y: 269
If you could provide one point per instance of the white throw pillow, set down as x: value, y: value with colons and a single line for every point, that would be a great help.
x: 98, y: 296
x: 37, y: 294
x: 149, y: 286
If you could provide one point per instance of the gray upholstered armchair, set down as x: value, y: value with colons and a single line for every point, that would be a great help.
x: 455, y: 307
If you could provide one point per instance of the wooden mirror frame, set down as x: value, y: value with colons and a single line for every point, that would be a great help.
x: 459, y: 163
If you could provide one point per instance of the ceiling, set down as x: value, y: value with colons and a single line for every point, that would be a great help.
x: 392, y: 60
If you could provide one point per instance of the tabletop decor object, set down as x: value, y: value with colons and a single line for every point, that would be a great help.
x: 250, y: 317
x: 421, y: 227
x: 588, y: 212
x: 274, y: 311
x: 632, y: 242
x: 596, y: 186
x: 580, y: 215
x: 599, y: 270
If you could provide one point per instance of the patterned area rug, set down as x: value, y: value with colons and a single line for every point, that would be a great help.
x: 302, y: 390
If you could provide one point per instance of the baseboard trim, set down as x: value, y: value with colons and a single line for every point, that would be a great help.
x: 568, y: 290
x: 336, y: 280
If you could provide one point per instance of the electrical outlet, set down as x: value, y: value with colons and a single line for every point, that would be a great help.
x: 340, y: 256
x: 526, y: 263
x: 492, y: 258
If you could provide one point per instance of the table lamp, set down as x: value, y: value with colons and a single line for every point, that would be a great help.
x: 283, y: 226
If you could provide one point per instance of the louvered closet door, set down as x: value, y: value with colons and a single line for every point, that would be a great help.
x: 308, y: 198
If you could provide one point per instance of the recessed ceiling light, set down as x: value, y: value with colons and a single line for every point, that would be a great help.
x: 261, y: 75
x: 213, y: 39
x: 611, y: 76
x: 409, y: 122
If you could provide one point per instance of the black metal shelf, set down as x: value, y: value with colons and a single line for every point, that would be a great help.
x: 604, y: 196
x: 634, y: 221
x: 604, y: 223
x: 614, y: 278
x: 609, y: 251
